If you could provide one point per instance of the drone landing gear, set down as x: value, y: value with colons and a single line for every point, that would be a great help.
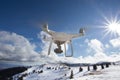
x: 71, y: 50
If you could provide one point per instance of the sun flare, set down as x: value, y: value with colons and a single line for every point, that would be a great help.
x: 112, y: 27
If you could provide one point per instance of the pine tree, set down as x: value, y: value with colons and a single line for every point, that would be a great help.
x: 107, y: 65
x: 95, y: 67
x: 71, y: 75
x: 33, y: 71
x: 88, y: 68
x: 69, y: 68
x: 56, y: 68
x: 102, y: 66
x: 40, y: 71
x: 80, y: 69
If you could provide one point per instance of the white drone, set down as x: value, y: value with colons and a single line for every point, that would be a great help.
x: 60, y: 38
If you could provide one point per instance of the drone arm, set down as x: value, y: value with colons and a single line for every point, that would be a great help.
x: 45, y: 29
x: 50, y: 32
x: 81, y: 33
x: 71, y: 48
x: 49, y: 48
x: 77, y: 35
x: 65, y: 48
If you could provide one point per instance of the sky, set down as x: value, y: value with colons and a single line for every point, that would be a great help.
x: 20, y: 22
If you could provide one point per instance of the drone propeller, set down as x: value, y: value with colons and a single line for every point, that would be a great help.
x: 82, y: 30
x: 90, y: 30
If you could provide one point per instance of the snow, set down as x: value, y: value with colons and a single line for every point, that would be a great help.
x: 62, y: 72
x: 111, y: 73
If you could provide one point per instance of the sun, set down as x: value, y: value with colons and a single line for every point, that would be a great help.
x: 112, y: 27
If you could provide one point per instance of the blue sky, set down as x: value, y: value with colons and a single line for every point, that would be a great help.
x: 24, y: 17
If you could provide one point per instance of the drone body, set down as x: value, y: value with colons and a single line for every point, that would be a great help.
x: 60, y: 38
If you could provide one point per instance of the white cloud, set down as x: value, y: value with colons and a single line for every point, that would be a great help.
x: 107, y: 46
x: 95, y: 48
x: 95, y: 59
x: 115, y: 42
x: 96, y: 45
x: 16, y: 47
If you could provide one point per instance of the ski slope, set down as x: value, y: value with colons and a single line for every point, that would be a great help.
x: 63, y: 72
x: 111, y: 73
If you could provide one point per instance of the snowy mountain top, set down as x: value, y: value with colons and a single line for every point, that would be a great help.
x: 63, y: 72
x: 43, y: 72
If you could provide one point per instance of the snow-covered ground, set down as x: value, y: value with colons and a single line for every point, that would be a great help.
x: 111, y: 73
x: 63, y: 72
